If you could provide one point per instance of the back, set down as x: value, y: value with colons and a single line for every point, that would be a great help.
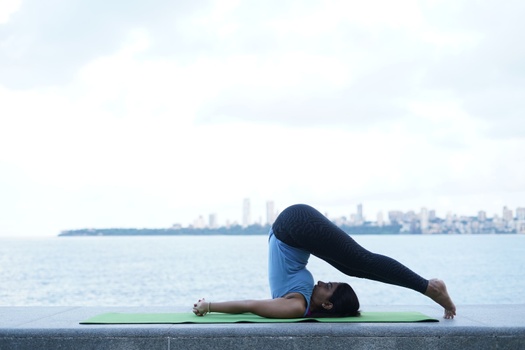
x: 287, y: 271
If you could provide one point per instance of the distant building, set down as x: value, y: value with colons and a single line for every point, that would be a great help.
x: 410, y: 216
x: 380, y: 220
x: 359, y: 216
x: 507, y: 214
x: 395, y: 216
x: 214, y: 223
x: 449, y: 218
x: 482, y: 216
x: 246, y: 213
x: 424, y: 220
x: 271, y: 214
x: 199, y: 222
x: 520, y: 213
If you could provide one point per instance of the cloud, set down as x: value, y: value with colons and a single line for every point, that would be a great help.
x: 7, y: 8
x: 313, y: 98
x: 488, y: 76
x: 148, y: 114
x: 47, y: 43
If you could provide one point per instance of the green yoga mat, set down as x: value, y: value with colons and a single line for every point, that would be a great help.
x: 178, y: 318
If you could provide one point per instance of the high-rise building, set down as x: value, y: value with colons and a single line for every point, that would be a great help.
x: 199, y: 222
x: 246, y: 213
x: 395, y: 216
x: 424, y: 220
x: 410, y: 216
x: 449, y: 218
x: 359, y: 216
x: 520, y: 213
x: 380, y: 220
x: 482, y: 215
x: 270, y: 212
x: 506, y: 214
x: 214, y: 223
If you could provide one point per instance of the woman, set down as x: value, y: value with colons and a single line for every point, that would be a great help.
x: 299, y: 231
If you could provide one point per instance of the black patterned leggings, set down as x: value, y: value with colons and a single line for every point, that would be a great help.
x: 303, y: 227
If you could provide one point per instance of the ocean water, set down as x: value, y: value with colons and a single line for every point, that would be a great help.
x: 176, y: 271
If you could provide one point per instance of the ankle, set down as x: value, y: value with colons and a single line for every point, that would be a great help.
x: 434, y: 287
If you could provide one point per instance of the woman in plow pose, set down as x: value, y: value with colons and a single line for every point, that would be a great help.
x: 299, y: 231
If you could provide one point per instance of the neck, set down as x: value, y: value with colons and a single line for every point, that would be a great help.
x: 315, y: 306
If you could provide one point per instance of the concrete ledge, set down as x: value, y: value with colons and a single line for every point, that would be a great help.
x: 476, y: 327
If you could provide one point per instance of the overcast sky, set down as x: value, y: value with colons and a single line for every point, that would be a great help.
x: 146, y: 114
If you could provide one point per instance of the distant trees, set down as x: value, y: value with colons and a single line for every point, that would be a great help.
x: 231, y: 231
x: 227, y: 231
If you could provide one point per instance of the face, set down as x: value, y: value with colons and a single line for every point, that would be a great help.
x: 323, y: 291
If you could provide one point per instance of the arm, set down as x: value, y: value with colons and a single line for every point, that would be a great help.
x: 290, y: 306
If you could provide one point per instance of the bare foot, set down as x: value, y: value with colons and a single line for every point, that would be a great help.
x: 437, y: 291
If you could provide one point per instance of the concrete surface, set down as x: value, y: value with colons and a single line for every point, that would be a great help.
x: 475, y: 327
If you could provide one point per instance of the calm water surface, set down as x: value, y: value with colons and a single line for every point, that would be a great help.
x: 149, y: 271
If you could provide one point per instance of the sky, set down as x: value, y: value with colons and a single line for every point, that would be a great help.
x: 147, y: 114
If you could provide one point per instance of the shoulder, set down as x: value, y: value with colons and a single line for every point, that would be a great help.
x: 296, y: 297
x: 294, y: 303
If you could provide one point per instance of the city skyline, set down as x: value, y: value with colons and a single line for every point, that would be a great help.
x: 357, y: 218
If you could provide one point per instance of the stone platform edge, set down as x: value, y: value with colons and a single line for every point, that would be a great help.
x: 475, y: 327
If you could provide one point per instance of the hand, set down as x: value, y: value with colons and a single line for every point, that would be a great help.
x: 201, y: 307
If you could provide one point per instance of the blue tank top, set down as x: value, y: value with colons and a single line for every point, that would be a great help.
x: 287, y: 270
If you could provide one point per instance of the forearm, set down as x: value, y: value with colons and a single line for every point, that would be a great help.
x: 233, y: 307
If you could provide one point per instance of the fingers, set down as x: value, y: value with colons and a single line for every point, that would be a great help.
x: 198, y: 305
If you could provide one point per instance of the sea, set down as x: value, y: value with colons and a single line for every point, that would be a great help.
x: 178, y: 270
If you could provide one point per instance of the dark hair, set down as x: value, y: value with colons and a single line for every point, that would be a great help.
x: 345, y: 303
